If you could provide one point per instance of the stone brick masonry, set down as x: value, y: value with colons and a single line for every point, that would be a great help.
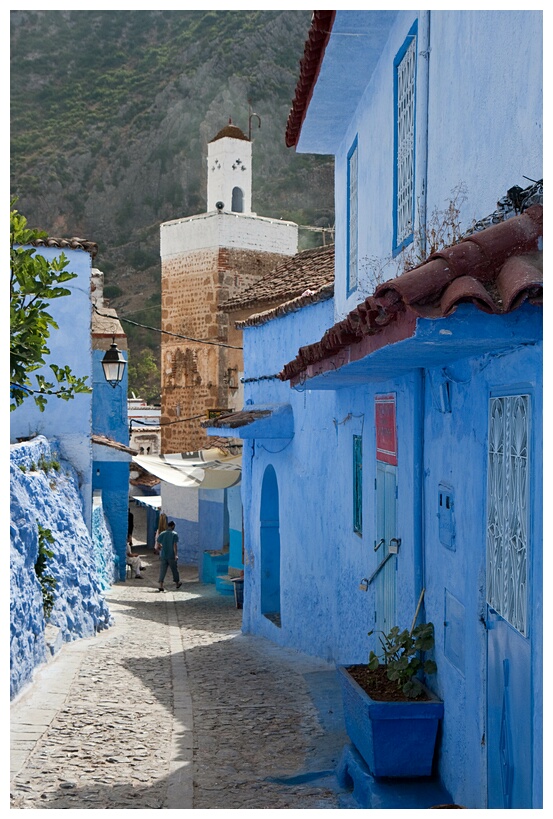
x: 195, y: 377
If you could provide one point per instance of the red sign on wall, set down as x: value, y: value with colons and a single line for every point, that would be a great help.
x: 385, y: 423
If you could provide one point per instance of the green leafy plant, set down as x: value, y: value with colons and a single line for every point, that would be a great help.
x: 47, y: 581
x: 46, y: 464
x: 400, y: 654
x: 34, y: 282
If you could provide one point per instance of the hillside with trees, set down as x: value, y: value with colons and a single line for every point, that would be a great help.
x: 111, y: 113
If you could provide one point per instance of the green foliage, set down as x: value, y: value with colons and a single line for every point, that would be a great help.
x: 47, y: 464
x: 34, y: 282
x: 109, y: 140
x: 144, y: 376
x: 112, y: 291
x: 401, y: 656
x: 47, y: 581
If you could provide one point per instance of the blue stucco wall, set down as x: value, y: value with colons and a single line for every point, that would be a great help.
x: 107, y: 564
x: 110, y: 472
x: 111, y: 478
x: 52, y: 499
x: 461, y: 83
x: 213, y: 518
x: 67, y: 422
x: 234, y: 506
x: 323, y: 560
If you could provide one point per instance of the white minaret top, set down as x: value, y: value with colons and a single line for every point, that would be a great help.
x: 229, y: 171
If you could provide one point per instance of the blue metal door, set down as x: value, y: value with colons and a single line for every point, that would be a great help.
x: 509, y: 681
x: 386, y: 521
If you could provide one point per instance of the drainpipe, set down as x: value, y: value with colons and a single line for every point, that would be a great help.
x: 419, y: 411
x: 422, y: 124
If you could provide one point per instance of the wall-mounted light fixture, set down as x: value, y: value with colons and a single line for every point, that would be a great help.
x: 113, y: 364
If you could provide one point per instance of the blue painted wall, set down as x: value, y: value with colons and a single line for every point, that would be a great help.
x: 323, y: 560
x: 107, y: 563
x: 458, y: 143
x: 111, y: 479
x: 460, y: 84
x: 213, y: 518
x: 182, y: 506
x: 68, y: 423
x: 80, y: 565
x: 110, y: 470
x: 234, y: 506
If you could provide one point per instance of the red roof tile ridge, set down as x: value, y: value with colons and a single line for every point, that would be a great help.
x: 74, y: 244
x: 310, y: 65
x: 289, y: 278
x: 481, y: 255
x: 495, y: 269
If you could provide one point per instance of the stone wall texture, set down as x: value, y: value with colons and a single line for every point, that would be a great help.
x: 82, y: 567
x: 198, y: 377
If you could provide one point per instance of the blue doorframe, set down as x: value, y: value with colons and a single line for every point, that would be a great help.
x: 270, y: 546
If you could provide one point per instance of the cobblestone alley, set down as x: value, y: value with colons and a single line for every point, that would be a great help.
x: 173, y: 707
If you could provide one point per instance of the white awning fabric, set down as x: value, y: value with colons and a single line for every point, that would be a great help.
x: 205, y: 469
x: 154, y: 501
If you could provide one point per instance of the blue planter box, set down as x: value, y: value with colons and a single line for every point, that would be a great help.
x: 395, y: 739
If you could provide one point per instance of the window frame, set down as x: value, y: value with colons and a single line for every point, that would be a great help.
x: 412, y: 36
x: 353, y: 151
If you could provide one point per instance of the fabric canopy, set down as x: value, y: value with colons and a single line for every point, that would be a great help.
x: 154, y: 501
x: 205, y: 469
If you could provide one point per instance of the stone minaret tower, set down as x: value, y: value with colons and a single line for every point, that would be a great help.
x: 205, y: 260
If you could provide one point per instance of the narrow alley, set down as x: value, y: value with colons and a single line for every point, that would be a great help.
x: 172, y: 707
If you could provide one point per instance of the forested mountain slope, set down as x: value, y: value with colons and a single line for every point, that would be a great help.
x: 111, y: 113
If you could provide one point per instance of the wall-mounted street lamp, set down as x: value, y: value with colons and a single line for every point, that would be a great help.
x: 113, y: 364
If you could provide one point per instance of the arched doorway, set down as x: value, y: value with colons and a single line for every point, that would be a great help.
x: 270, y: 547
x: 237, y: 200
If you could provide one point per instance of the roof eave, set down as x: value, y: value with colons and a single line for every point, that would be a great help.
x: 413, y: 342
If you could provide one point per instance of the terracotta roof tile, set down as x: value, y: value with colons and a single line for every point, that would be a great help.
x: 291, y: 278
x: 317, y: 39
x: 70, y: 244
x: 231, y: 131
x: 495, y: 269
x: 325, y: 292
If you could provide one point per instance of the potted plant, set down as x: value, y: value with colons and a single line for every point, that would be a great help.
x: 391, y: 716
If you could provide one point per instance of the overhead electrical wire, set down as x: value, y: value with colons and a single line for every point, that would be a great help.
x: 166, y: 332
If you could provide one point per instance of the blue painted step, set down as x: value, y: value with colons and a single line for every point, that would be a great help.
x: 223, y: 585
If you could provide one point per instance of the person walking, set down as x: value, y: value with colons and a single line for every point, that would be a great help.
x: 168, y: 555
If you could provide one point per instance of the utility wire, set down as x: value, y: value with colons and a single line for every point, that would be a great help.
x: 166, y: 332
x: 165, y: 423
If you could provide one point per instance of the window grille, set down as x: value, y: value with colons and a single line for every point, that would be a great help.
x: 508, y: 496
x: 357, y: 484
x: 405, y: 143
x: 352, y: 218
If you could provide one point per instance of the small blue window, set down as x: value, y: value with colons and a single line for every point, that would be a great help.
x: 405, y: 68
x: 352, y: 220
x: 357, y: 484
